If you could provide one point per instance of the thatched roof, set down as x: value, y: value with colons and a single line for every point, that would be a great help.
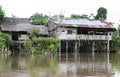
x: 21, y: 25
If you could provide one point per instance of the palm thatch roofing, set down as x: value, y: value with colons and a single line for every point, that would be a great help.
x: 21, y: 25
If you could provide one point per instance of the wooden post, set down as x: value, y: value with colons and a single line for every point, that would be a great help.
x: 76, y: 46
x: 60, y: 53
x: 76, y: 52
x: 66, y: 46
x: 66, y: 51
x: 79, y: 45
x: 108, y: 63
x: 108, y: 49
x: 20, y: 46
x: 93, y: 46
x: 93, y: 67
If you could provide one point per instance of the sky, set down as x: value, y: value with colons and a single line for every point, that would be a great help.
x: 26, y: 8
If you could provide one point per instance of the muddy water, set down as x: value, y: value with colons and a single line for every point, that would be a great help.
x: 63, y: 65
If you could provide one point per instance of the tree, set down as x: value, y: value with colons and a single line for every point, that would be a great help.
x: 101, y: 13
x: 5, y: 41
x: 2, y: 14
x: 83, y: 16
x: 115, y: 43
x: 61, y: 16
x: 38, y: 19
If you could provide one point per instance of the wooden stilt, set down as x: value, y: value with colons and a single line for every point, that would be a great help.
x: 60, y: 53
x: 108, y: 63
x: 79, y: 45
x: 108, y: 49
x: 66, y: 51
x: 93, y: 46
x: 20, y: 46
x: 66, y: 46
x: 93, y: 62
x: 76, y: 47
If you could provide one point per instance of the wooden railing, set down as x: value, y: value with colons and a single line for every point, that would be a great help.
x: 94, y: 37
x: 85, y: 37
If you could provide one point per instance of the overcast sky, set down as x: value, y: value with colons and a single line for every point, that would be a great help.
x: 26, y: 8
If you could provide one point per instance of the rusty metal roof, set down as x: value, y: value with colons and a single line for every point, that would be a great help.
x: 84, y: 23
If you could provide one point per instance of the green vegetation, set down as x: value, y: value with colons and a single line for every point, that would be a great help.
x: 115, y: 43
x: 100, y: 46
x: 61, y: 16
x: 2, y: 14
x: 79, y: 16
x: 101, y: 13
x: 38, y: 19
x: 2, y: 43
x: 39, y: 45
x: 5, y: 41
x: 28, y: 44
x: 34, y: 33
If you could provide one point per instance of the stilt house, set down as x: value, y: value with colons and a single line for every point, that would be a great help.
x: 19, y: 29
x: 80, y: 32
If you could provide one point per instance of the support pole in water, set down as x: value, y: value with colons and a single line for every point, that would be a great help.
x: 79, y: 45
x: 76, y: 47
x: 108, y: 41
x: 93, y: 67
x: 93, y: 46
x: 108, y: 44
x: 60, y: 52
x: 66, y: 46
x: 66, y: 51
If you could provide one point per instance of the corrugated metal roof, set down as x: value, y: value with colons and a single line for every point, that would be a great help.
x: 84, y: 23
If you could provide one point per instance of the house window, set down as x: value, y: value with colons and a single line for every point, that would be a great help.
x: 15, y: 36
x: 69, y: 32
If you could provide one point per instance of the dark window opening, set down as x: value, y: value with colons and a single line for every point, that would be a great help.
x: 69, y: 32
x: 15, y: 36
x: 84, y: 31
x: 79, y: 31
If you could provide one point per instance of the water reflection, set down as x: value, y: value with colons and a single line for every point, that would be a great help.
x: 62, y: 65
x: 87, y: 64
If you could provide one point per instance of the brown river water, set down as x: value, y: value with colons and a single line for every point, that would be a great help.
x: 83, y: 64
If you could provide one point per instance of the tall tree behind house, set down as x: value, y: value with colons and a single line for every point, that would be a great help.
x: 101, y: 13
x: 2, y: 14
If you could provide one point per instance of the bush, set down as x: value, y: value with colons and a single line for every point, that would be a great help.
x: 5, y: 41
x: 2, y: 43
x: 40, y: 45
